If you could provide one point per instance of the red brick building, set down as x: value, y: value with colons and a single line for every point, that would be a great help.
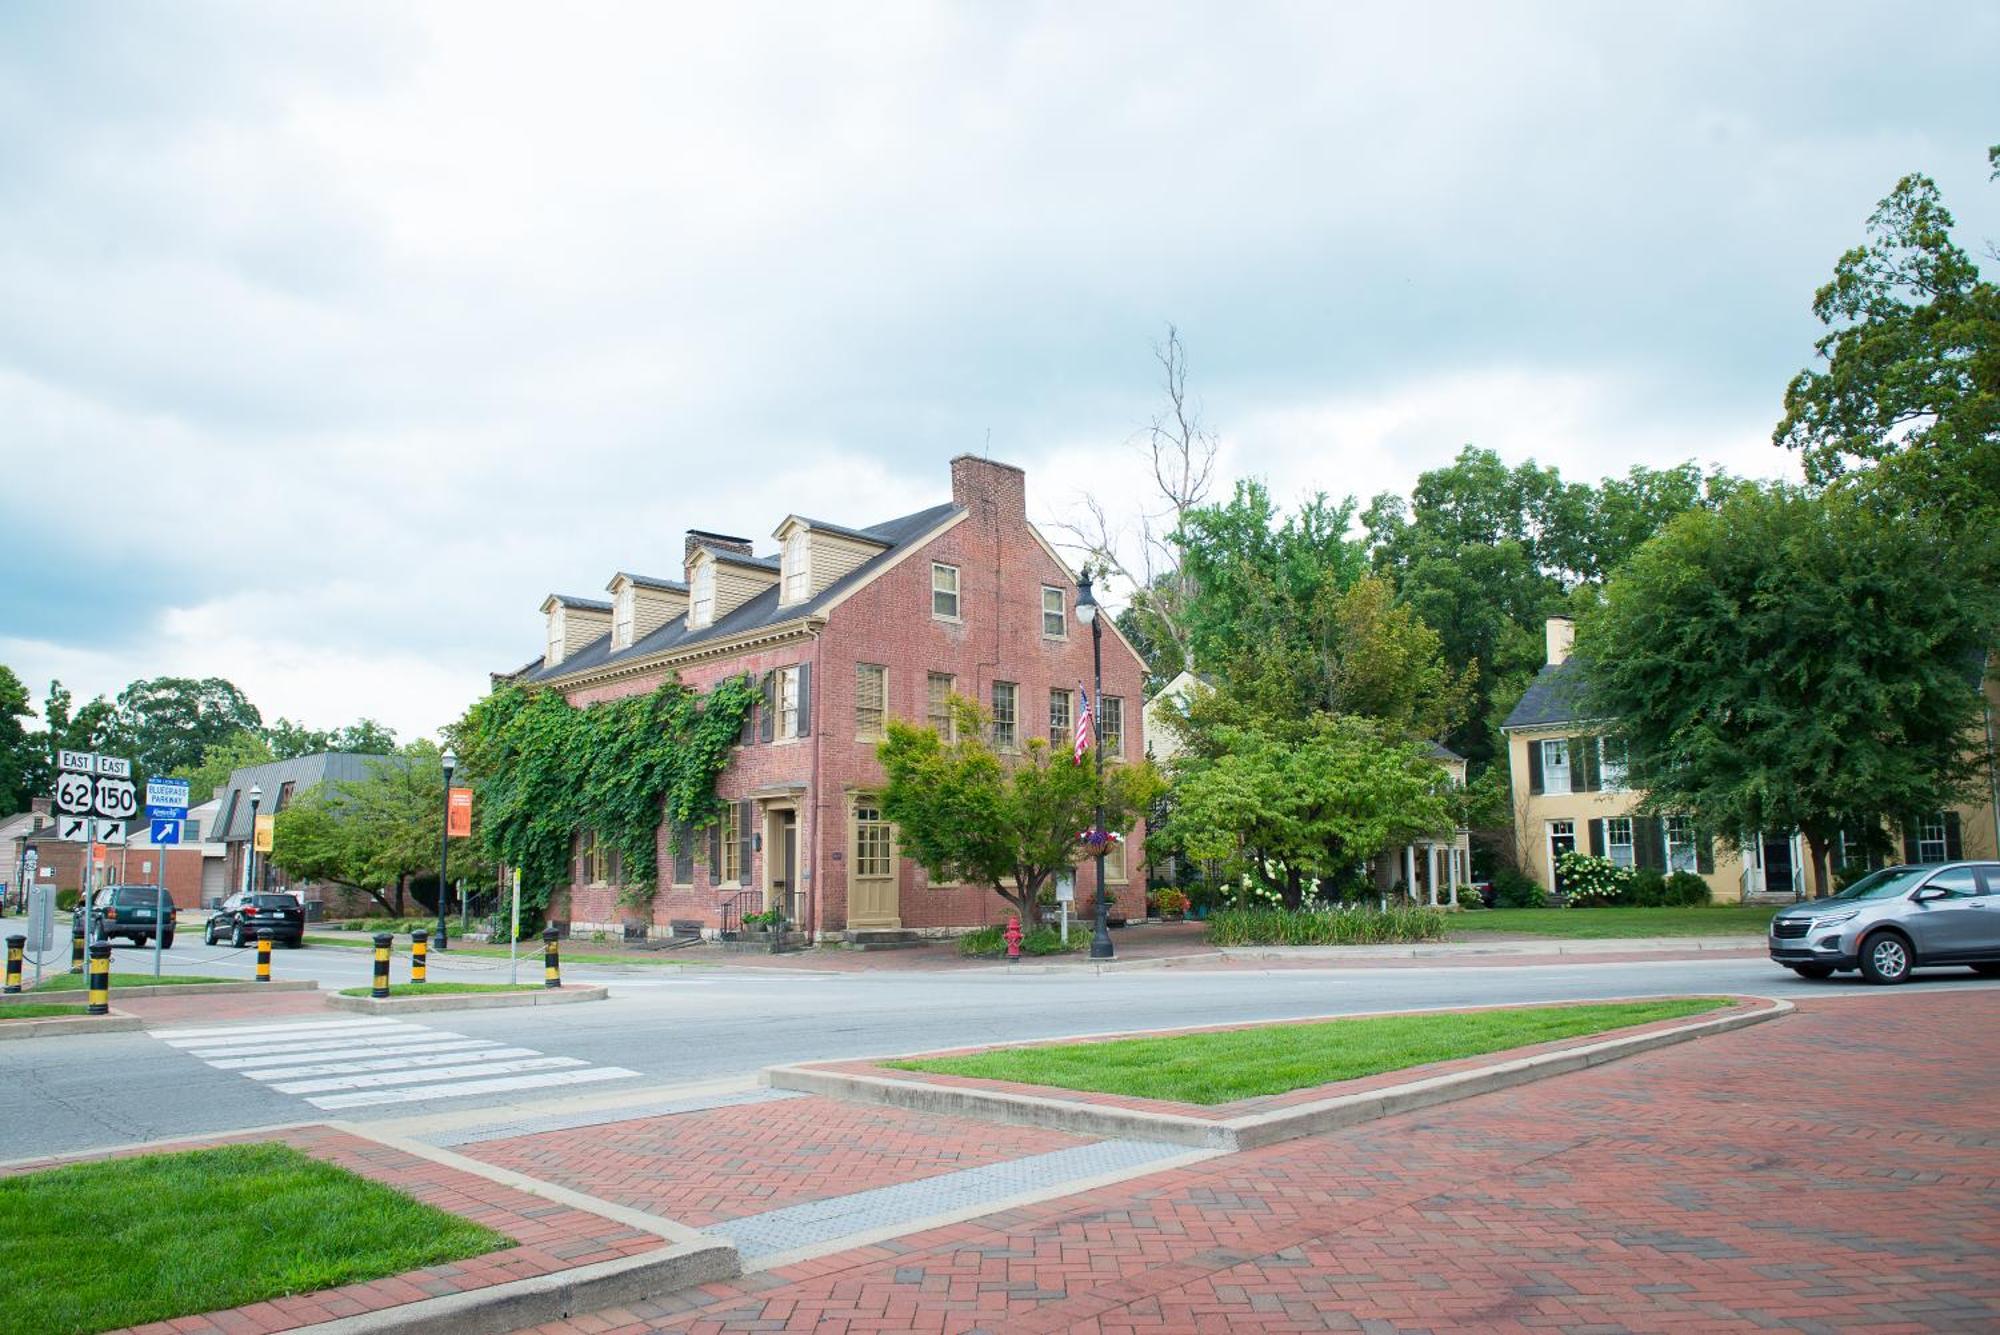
x: 843, y: 629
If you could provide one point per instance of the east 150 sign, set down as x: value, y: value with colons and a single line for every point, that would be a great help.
x: 95, y: 787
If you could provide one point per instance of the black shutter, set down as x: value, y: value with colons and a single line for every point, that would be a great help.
x: 715, y: 853
x: 746, y: 814
x: 1704, y: 852
x: 1534, y: 765
x: 1954, y: 844
x: 1910, y: 843
x: 1583, y: 762
x: 749, y: 733
x: 683, y: 855
x: 767, y: 716
x: 1648, y: 852
x: 805, y: 699
x: 1597, y: 838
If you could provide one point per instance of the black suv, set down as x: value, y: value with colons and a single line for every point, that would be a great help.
x: 133, y: 912
x: 240, y: 917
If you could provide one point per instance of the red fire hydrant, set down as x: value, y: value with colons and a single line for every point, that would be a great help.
x: 1013, y: 938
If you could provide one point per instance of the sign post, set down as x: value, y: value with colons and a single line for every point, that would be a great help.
x: 514, y: 933
x: 1065, y: 896
x: 166, y: 807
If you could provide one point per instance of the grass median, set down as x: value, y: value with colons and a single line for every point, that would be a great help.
x: 97, y: 1246
x: 31, y: 1011
x: 78, y: 982
x: 1227, y: 1065
x: 1613, y: 923
x: 530, y: 951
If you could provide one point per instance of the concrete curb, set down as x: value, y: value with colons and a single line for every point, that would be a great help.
x: 473, y: 1001
x: 183, y: 989
x: 523, y: 1303
x: 56, y: 1025
x: 1554, y: 945
x: 1256, y: 1129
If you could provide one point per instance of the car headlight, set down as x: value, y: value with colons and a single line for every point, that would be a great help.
x: 1831, y: 919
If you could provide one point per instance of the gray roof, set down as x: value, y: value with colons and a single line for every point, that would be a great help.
x: 1439, y: 751
x: 232, y: 823
x: 1555, y: 696
x: 738, y: 558
x: 648, y: 582
x: 586, y: 604
x: 759, y: 611
x: 841, y: 530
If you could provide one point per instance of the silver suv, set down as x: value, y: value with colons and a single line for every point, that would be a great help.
x: 1894, y: 920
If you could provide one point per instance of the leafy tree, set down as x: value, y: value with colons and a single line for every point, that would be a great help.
x: 1798, y: 662
x: 166, y: 723
x: 221, y: 759
x: 22, y: 763
x: 363, y: 737
x: 1011, y: 823
x: 1912, y: 363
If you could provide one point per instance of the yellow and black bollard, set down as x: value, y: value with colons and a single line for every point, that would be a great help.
x: 16, y: 945
x: 420, y: 953
x: 76, y: 951
x: 263, y: 954
x: 100, y: 979
x: 551, y: 963
x: 382, y: 943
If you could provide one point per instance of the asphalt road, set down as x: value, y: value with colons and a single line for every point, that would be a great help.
x: 675, y: 1027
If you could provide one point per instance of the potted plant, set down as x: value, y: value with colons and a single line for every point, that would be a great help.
x: 1170, y: 904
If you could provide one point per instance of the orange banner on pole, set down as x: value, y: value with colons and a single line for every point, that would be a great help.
x: 458, y: 814
x: 267, y: 827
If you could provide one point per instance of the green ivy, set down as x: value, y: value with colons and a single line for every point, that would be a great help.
x: 544, y: 769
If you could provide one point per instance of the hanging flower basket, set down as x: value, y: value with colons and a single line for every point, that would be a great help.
x: 1098, y: 840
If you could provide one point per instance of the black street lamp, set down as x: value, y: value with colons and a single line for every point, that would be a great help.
x: 1086, y: 611
x: 438, y: 941
x: 250, y: 849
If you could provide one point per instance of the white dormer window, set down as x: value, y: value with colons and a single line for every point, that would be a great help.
x: 621, y: 618
x: 555, y: 652
x: 701, y: 593
x: 797, y: 568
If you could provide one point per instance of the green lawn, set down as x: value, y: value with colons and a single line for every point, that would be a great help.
x: 96, y: 1246
x: 78, y: 982
x: 1710, y: 920
x: 34, y: 1012
x: 440, y: 989
x: 530, y: 950
x: 1245, y: 1063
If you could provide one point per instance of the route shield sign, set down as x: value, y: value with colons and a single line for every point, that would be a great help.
x: 75, y: 793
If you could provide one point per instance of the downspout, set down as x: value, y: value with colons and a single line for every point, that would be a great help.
x: 818, y: 802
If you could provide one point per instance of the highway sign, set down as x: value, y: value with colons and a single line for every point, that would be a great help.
x: 75, y: 793
x: 166, y: 797
x: 116, y: 767
x: 111, y: 832
x: 76, y: 762
x: 73, y: 829
x: 115, y: 798
x: 165, y: 831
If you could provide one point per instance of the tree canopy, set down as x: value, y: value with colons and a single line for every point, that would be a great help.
x: 375, y: 834
x: 1792, y: 661
x: 968, y: 814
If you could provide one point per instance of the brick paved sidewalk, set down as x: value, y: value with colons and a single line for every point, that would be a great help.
x: 1835, y: 1170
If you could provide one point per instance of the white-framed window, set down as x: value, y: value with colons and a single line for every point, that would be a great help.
x: 797, y: 563
x: 1062, y: 718
x: 1055, y: 613
x: 937, y: 704
x: 1618, y: 841
x: 555, y: 652
x: 621, y: 618
x: 871, y: 699
x: 1678, y: 834
x: 1555, y: 765
x: 788, y: 702
x: 944, y: 591
x: 1111, y: 725
x: 874, y: 841
x: 1931, y: 844
x: 729, y: 861
x: 1006, y: 732
x: 701, y: 594
x: 1614, y: 763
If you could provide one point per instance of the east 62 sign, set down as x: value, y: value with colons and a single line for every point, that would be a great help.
x: 92, y: 785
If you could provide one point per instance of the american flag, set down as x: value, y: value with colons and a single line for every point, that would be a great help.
x: 1082, y: 727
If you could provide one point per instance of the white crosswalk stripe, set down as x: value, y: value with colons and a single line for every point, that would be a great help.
x: 356, y: 1063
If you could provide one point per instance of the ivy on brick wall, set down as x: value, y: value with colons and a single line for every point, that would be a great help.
x: 543, y: 769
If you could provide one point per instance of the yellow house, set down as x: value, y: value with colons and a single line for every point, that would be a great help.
x: 1571, y: 791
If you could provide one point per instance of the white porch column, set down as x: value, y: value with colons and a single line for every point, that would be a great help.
x: 1410, y: 871
x: 1451, y: 864
x: 1431, y: 871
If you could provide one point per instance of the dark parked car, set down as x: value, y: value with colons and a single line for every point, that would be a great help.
x: 133, y: 912
x: 240, y: 917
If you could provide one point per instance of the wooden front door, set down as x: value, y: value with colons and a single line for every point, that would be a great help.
x: 782, y: 889
x: 874, y: 900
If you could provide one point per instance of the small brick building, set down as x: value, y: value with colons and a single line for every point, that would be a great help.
x: 842, y: 629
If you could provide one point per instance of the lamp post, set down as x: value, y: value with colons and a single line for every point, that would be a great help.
x: 250, y: 849
x: 1086, y: 611
x: 438, y: 941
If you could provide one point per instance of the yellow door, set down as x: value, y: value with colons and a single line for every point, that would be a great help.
x: 874, y: 899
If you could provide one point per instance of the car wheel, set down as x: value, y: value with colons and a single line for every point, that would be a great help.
x: 1987, y: 970
x: 208, y: 935
x: 167, y: 941
x: 1816, y: 972
x: 237, y: 939
x: 1885, y: 958
x: 295, y: 943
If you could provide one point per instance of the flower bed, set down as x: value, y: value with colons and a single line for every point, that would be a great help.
x: 1324, y: 927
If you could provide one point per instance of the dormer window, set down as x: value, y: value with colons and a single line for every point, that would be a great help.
x: 797, y: 568
x: 621, y: 618
x: 701, y: 596
x: 555, y: 650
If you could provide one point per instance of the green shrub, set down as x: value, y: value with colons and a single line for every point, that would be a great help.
x: 1590, y: 881
x: 1687, y: 890
x: 66, y: 900
x: 1512, y: 890
x: 1323, y: 927
x: 1648, y: 889
x: 991, y: 942
x: 399, y: 926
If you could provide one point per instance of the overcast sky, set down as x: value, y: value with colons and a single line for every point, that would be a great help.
x: 333, y: 338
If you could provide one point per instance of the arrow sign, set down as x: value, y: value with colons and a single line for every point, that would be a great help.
x: 166, y: 832
x: 111, y: 833
x: 73, y: 829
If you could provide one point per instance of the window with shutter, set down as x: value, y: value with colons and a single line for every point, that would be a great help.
x: 683, y: 840
x: 937, y: 704
x: 871, y: 699
x: 1618, y: 844
x: 727, y: 866
x: 1679, y: 832
x: 1931, y: 844
x: 1613, y: 763
x: 1555, y: 765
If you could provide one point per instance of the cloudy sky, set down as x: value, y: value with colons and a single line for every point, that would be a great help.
x: 332, y: 338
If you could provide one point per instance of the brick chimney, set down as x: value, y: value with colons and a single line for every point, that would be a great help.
x: 985, y: 487
x: 42, y: 806
x: 702, y: 538
x: 1561, y: 632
